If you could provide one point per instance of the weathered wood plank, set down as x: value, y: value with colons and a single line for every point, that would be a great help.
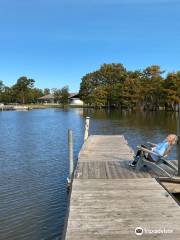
x: 109, y: 199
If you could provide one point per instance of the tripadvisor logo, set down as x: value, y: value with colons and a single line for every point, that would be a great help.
x: 138, y: 231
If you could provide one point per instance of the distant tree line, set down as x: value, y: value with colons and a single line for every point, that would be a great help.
x: 61, y: 95
x: 114, y: 86
x: 24, y: 91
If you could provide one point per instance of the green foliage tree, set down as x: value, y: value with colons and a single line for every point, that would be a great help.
x: 131, y: 96
x: 46, y: 91
x: 172, y: 91
x: 110, y: 77
x: 7, y: 95
x: 99, y: 96
x: 22, y: 89
x: 21, y: 92
x: 1, y: 89
x: 1, y: 85
x: 34, y: 94
x: 112, y: 85
x: 151, y: 87
x: 62, y: 95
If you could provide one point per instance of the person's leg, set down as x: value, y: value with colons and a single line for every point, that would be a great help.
x: 149, y: 157
x: 140, y: 151
x: 137, y: 157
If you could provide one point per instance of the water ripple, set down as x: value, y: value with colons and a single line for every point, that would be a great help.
x: 34, y: 162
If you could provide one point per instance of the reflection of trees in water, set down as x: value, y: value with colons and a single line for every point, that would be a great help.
x: 137, y: 127
x: 161, y: 119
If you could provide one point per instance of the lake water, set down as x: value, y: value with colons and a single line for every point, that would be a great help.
x: 34, y: 162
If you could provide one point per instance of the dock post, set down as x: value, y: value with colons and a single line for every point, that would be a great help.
x: 178, y: 135
x: 71, y: 162
x: 178, y: 124
x: 86, y: 132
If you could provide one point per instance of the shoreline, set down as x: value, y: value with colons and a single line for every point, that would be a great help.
x: 13, y: 107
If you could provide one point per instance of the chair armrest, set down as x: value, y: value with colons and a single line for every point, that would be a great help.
x: 152, y: 144
x: 149, y: 151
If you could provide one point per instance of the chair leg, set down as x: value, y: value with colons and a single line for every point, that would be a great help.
x: 140, y: 163
x: 163, y: 171
x: 155, y: 165
x: 171, y: 165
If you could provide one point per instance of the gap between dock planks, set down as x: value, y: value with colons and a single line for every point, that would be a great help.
x: 109, y: 199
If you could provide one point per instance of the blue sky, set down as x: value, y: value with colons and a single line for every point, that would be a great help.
x: 56, y: 42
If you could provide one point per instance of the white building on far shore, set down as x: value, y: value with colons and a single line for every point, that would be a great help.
x: 74, y: 99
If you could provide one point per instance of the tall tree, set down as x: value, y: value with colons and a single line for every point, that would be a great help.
x: 46, y: 91
x: 7, y: 95
x: 151, y: 86
x: 1, y: 90
x: 110, y: 77
x: 34, y: 94
x: 62, y: 95
x: 99, y: 97
x: 22, y: 89
x: 131, y: 96
x: 172, y: 91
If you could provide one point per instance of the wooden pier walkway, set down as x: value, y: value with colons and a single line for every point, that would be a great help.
x: 109, y: 199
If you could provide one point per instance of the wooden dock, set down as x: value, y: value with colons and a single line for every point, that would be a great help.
x: 13, y: 108
x: 109, y: 199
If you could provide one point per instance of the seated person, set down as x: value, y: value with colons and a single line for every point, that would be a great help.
x: 162, y: 149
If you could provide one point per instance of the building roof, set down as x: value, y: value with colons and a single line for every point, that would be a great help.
x: 72, y: 95
x: 48, y: 96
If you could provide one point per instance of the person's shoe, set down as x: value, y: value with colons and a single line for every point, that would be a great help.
x: 131, y: 164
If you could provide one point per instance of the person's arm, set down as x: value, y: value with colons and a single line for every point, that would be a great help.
x: 148, y: 151
x: 161, y: 148
x: 168, y: 150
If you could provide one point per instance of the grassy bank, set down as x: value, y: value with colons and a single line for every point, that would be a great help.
x: 45, y: 106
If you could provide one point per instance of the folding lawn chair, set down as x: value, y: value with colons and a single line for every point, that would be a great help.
x: 159, y: 164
